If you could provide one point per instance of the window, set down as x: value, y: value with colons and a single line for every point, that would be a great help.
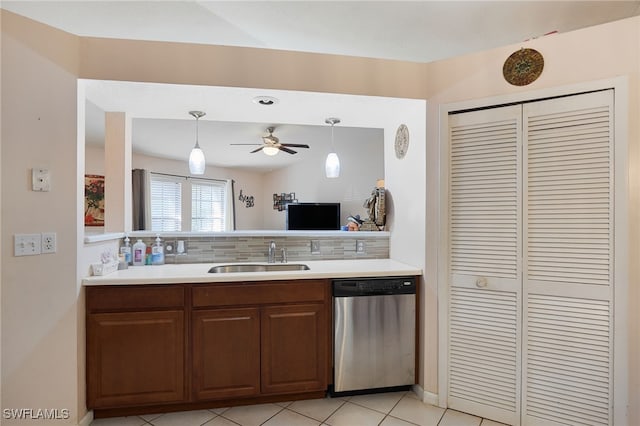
x: 207, y: 206
x: 166, y: 203
x: 181, y: 203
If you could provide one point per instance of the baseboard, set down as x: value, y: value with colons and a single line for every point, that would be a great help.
x: 87, y: 419
x: 430, y: 398
x: 424, y: 396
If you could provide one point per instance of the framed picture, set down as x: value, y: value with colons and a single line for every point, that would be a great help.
x: 93, y: 200
x: 280, y: 201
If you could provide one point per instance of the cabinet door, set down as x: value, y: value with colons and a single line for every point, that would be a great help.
x: 294, y: 348
x: 226, y: 353
x: 135, y: 358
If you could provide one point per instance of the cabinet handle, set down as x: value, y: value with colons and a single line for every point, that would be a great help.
x: 481, y: 282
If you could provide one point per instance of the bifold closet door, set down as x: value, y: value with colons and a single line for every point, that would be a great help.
x: 485, y: 276
x: 568, y: 261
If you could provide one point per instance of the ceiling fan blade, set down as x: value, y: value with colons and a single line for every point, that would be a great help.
x: 295, y: 145
x: 287, y: 150
x: 256, y: 150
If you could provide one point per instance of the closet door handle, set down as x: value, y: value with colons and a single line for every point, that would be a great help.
x: 481, y: 282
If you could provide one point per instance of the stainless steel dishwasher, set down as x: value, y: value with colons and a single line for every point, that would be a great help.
x: 374, y: 334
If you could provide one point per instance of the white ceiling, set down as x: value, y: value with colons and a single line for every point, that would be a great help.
x: 420, y: 31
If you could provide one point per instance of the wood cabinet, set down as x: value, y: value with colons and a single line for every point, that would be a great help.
x: 294, y: 355
x: 226, y: 353
x: 162, y: 346
x: 278, y: 343
x: 135, y: 357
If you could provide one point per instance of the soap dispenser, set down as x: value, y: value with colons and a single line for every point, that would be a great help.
x: 139, y: 250
x: 125, y: 250
x: 157, y: 252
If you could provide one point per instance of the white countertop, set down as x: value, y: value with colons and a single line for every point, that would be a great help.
x: 198, y: 272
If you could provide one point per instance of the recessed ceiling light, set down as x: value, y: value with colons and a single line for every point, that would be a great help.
x: 265, y: 100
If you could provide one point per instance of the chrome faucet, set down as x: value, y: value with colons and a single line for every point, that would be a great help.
x: 272, y: 252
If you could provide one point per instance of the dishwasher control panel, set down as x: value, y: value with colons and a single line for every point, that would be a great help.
x: 373, y: 286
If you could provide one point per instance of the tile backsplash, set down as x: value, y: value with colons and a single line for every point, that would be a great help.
x: 255, y: 248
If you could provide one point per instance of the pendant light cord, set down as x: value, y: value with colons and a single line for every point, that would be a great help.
x: 197, y: 144
x: 333, y: 143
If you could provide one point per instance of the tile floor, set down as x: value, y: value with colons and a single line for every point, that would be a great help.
x: 384, y: 409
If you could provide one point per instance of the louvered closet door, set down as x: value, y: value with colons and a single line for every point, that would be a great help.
x: 485, y: 278
x: 568, y: 261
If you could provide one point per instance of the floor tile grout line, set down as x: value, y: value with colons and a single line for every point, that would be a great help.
x: 215, y: 415
x: 344, y: 401
x: 304, y: 415
x: 378, y: 411
x: 228, y: 419
x: 395, y: 405
x: 279, y: 411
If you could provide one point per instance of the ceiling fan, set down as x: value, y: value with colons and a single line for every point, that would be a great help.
x: 271, y: 144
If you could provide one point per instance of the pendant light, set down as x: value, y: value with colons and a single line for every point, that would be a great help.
x: 196, y: 158
x: 332, y: 164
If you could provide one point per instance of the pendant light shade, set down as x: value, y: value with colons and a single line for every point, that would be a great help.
x: 196, y: 161
x: 332, y: 164
x: 196, y: 158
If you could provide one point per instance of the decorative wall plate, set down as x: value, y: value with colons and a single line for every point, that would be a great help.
x: 402, y: 141
x: 523, y: 67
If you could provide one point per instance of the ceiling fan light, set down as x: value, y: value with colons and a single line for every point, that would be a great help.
x: 270, y: 150
x: 332, y: 166
x: 196, y: 161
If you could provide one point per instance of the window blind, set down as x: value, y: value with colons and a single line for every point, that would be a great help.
x: 166, y: 203
x: 208, y: 205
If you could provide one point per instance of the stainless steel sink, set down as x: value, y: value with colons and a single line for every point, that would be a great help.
x: 246, y: 267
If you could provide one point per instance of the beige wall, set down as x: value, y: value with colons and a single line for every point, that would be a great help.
x: 39, y: 293
x: 40, y: 309
x: 108, y: 59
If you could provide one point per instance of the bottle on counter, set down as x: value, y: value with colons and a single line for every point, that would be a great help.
x: 125, y: 250
x: 147, y: 258
x: 157, y: 252
x: 139, y: 253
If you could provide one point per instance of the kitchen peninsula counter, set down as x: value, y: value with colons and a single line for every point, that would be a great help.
x: 198, y: 272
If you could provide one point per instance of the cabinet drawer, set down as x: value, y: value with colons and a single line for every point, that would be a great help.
x: 247, y: 293
x: 126, y: 298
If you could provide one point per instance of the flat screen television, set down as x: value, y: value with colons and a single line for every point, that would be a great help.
x: 313, y: 216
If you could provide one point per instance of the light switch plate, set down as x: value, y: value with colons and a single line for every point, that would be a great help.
x: 26, y: 244
x: 40, y: 180
x: 315, y: 246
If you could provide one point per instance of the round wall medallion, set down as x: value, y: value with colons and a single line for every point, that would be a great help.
x: 402, y: 141
x: 523, y: 67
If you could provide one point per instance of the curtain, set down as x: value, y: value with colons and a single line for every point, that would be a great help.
x: 230, y: 207
x: 139, y: 181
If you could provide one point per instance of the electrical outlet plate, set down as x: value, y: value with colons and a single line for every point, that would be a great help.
x: 40, y: 180
x: 315, y: 246
x: 170, y: 248
x: 48, y: 242
x: 26, y: 244
x: 360, y: 246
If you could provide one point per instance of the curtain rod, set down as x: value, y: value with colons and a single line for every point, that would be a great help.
x: 187, y: 177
